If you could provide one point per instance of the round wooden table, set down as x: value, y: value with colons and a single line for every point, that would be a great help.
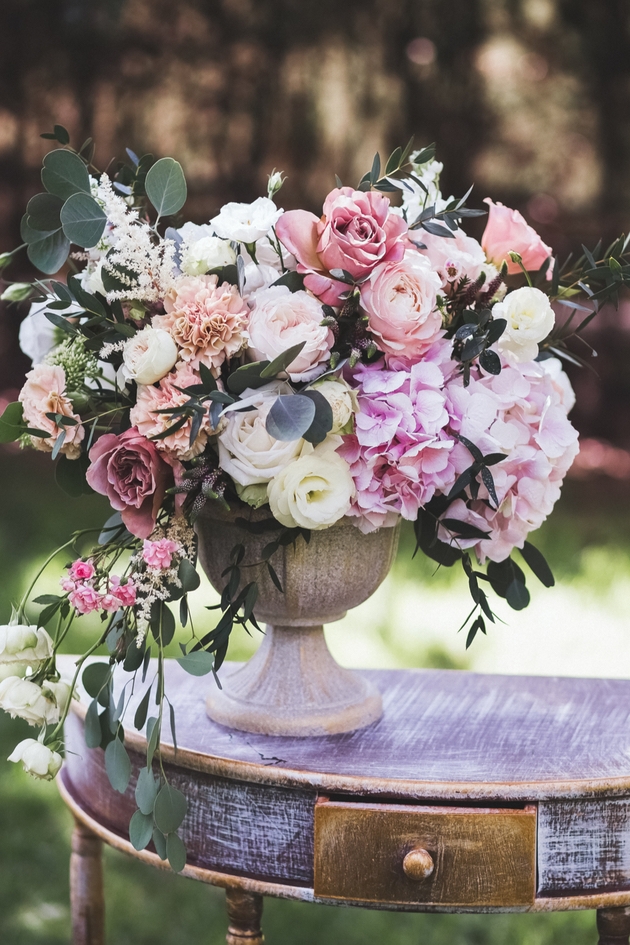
x: 473, y: 793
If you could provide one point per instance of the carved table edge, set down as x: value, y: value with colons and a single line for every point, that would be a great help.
x: 283, y: 891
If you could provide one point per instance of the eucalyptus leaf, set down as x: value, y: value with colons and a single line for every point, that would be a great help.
x: 176, y: 852
x: 159, y: 842
x: 43, y: 212
x: 49, y: 253
x: 323, y: 419
x: 83, y: 220
x: 165, y: 186
x: 198, y: 663
x: 170, y: 809
x: 65, y: 174
x: 290, y: 416
x: 92, y: 726
x: 11, y: 423
x: 70, y: 475
x: 188, y: 575
x: 117, y: 765
x: 140, y: 830
x: 95, y: 677
x: 282, y: 362
x: 147, y: 788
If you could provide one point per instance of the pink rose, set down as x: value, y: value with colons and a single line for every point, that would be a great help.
x: 356, y: 232
x: 399, y: 298
x: 45, y: 392
x: 130, y: 471
x: 82, y: 570
x: 151, y: 398
x: 158, y: 554
x: 206, y: 320
x: 281, y: 319
x: 456, y: 258
x: 85, y: 599
x: 508, y: 230
x: 125, y: 594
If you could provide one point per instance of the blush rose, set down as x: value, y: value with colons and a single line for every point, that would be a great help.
x: 507, y: 231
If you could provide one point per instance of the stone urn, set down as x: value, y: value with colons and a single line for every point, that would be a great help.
x: 292, y: 685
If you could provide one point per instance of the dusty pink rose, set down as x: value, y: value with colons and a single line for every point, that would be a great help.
x: 151, y: 398
x: 130, y: 471
x: 85, y: 599
x: 45, y: 392
x: 158, y: 554
x: 400, y: 298
x: 81, y: 570
x: 356, y: 232
x: 508, y: 230
x: 281, y: 319
x: 125, y: 594
x: 206, y: 320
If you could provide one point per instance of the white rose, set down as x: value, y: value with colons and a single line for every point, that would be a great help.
x: 92, y: 279
x: 342, y: 399
x: 246, y: 222
x: 313, y: 492
x: 22, y: 647
x: 247, y: 452
x: 529, y: 317
x: 38, y: 335
x: 26, y: 700
x: 191, y: 232
x: 149, y: 355
x: 37, y: 759
x: 280, y: 319
x: 202, y: 255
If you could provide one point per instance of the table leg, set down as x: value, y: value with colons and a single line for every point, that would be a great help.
x: 86, y: 887
x: 244, y: 912
x: 613, y: 926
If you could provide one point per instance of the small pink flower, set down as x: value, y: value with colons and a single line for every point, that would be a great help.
x: 125, y: 594
x: 508, y: 230
x: 109, y: 603
x: 85, y: 599
x: 158, y: 554
x: 82, y: 570
x: 67, y: 584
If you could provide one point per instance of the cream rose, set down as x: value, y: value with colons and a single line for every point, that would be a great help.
x: 247, y: 452
x: 313, y: 492
x: 246, y: 222
x: 149, y: 356
x: 529, y: 317
x: 202, y: 255
x: 280, y: 319
x: 22, y: 647
x: 37, y: 759
x: 343, y: 401
x: 23, y: 699
x: 400, y: 299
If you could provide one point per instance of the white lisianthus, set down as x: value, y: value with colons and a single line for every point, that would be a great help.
x: 38, y: 335
x: 191, y: 232
x: 342, y: 399
x: 22, y: 647
x: 246, y: 222
x: 23, y: 699
x: 247, y: 452
x: 315, y: 491
x: 16, y: 292
x: 92, y: 279
x: 149, y: 355
x: 202, y: 255
x: 37, y: 760
x: 529, y: 317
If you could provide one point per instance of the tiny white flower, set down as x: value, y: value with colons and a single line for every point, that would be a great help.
x: 37, y: 760
x: 148, y: 356
x: 529, y: 317
x: 246, y: 222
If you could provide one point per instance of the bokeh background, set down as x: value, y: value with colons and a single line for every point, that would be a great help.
x: 527, y: 99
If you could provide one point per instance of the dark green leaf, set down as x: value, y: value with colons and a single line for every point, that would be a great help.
x: 282, y: 362
x: 247, y: 376
x: 64, y: 174
x: 496, y: 329
x: 111, y: 528
x: 117, y: 765
x: 290, y: 416
x: 198, y: 663
x: 517, y: 595
x: 11, y: 423
x: 70, y: 475
x: 42, y: 212
x: 464, y: 529
x: 147, y: 789
x: 536, y: 560
x: 188, y: 576
x: 95, y: 677
x: 170, y: 808
x: 159, y: 842
x: 176, y: 852
x: 294, y: 281
x: 153, y: 736
x: 83, y: 220
x: 274, y: 577
x: 143, y: 707
x: 490, y: 362
x: 92, y: 726
x: 437, y: 229
x: 140, y: 830
x: 165, y: 186
x: 60, y: 321
x: 488, y: 482
x: 50, y: 253
x: 323, y: 419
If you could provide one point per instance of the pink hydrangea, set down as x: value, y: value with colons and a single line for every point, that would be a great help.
x: 521, y: 412
x: 400, y: 453
x: 158, y: 554
x: 84, y: 598
x: 82, y: 570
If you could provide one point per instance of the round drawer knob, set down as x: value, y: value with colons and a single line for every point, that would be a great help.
x: 418, y: 864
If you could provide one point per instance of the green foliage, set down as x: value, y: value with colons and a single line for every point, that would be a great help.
x: 169, y: 809
x: 198, y: 663
x: 64, y: 174
x: 83, y: 220
x: 117, y: 765
x: 11, y: 423
x: 290, y: 416
x: 49, y: 252
x: 165, y: 186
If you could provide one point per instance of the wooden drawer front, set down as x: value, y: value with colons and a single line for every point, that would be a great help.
x: 479, y: 857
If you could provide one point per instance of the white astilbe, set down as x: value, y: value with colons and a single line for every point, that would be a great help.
x: 139, y: 258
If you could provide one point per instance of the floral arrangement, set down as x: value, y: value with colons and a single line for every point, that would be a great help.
x: 373, y: 362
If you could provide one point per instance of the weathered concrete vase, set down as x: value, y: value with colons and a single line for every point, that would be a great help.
x: 292, y: 685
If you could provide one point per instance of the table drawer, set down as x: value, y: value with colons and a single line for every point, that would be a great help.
x: 406, y: 854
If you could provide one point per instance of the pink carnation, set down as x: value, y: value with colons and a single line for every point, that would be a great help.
x: 356, y: 232
x: 45, y: 392
x: 85, y: 599
x: 152, y: 398
x: 82, y: 570
x: 207, y: 321
x: 158, y: 554
x: 507, y: 230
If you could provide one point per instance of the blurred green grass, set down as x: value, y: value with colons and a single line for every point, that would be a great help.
x: 148, y: 906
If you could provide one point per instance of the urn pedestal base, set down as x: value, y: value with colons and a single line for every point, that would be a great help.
x: 293, y: 686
